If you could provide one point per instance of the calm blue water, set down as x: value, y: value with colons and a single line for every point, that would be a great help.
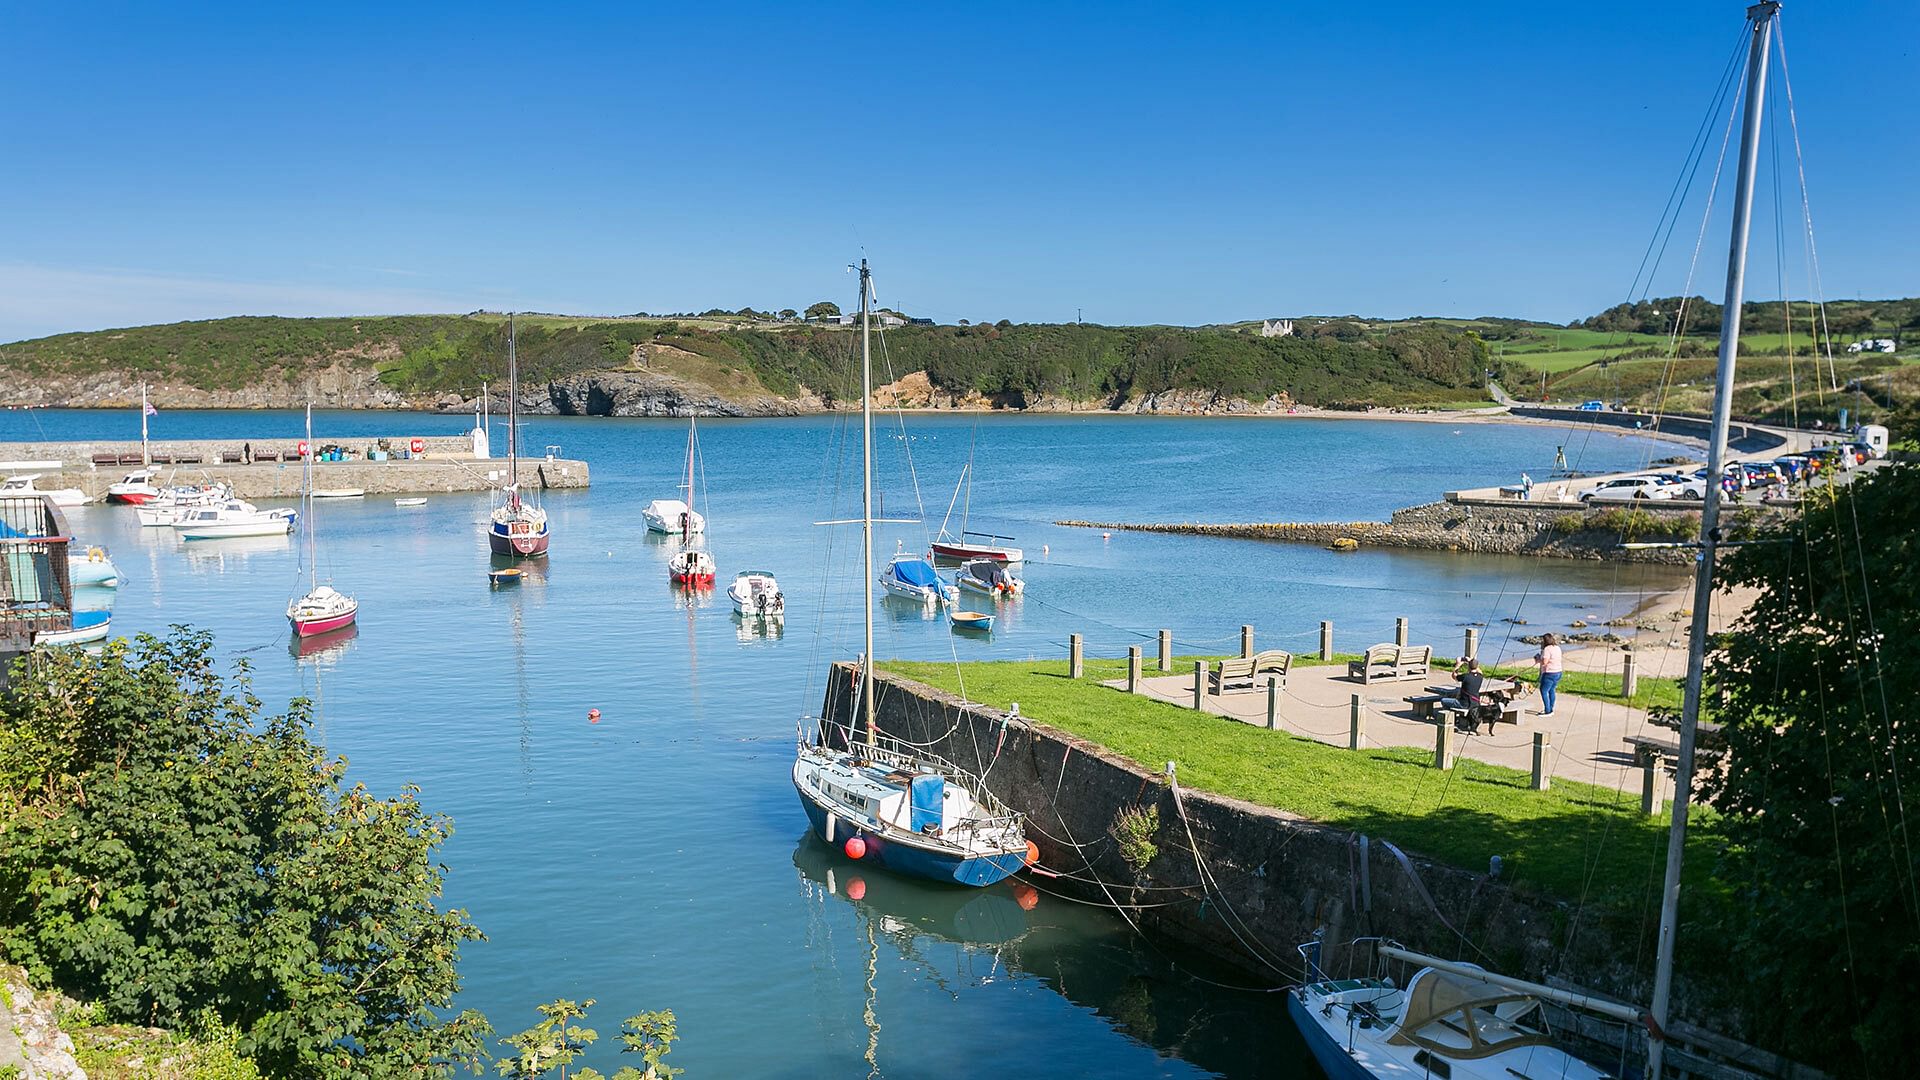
x: 659, y: 858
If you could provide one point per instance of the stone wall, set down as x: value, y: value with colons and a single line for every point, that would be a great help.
x: 1276, y: 878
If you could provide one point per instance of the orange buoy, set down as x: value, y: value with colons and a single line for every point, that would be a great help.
x: 1026, y: 896
x: 1033, y: 853
x: 593, y: 717
x: 856, y: 889
x: 856, y: 848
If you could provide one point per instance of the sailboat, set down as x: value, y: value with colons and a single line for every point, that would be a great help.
x: 673, y: 516
x: 322, y: 610
x: 1456, y: 1019
x: 968, y: 544
x: 516, y: 527
x: 884, y: 800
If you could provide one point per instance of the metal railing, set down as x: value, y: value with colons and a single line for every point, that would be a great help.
x: 36, y: 590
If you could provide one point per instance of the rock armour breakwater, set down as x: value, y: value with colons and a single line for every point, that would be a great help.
x: 1553, y: 530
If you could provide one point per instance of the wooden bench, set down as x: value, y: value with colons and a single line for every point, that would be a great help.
x: 106, y: 459
x: 131, y: 459
x: 230, y: 457
x: 266, y: 455
x: 1247, y: 673
x: 1495, y: 711
x: 188, y: 459
x: 1651, y: 748
x: 1423, y: 704
x: 160, y: 458
x: 1392, y: 663
x: 1275, y: 662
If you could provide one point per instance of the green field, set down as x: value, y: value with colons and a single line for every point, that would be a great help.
x: 1574, y: 841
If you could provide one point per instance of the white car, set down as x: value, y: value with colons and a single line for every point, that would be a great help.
x: 1643, y: 487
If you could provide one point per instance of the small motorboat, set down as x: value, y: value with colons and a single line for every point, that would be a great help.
x: 912, y: 578
x: 991, y: 577
x: 691, y: 568
x: 92, y: 567
x: 971, y: 620
x: 409, y: 502
x: 87, y: 626
x: 321, y: 611
x: 673, y: 517
x: 980, y: 546
x: 62, y: 497
x: 756, y: 595
x: 171, y: 505
x: 233, y: 518
x: 339, y: 493
x: 134, y: 489
x: 509, y: 576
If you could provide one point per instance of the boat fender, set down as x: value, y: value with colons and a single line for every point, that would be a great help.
x: 856, y: 848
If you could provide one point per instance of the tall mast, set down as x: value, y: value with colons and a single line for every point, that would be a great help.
x: 145, y: 457
x: 1760, y: 26
x: 866, y: 499
x: 313, y: 572
x: 690, y: 425
x: 513, y: 413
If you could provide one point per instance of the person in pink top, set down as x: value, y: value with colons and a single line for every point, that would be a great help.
x: 1549, y: 662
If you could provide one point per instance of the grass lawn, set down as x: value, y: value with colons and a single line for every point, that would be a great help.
x: 1573, y: 841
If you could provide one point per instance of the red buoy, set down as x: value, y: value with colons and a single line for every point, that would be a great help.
x: 593, y: 716
x: 1033, y: 853
x: 856, y: 848
x: 856, y: 889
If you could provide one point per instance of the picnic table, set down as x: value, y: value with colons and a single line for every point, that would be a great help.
x: 1500, y: 692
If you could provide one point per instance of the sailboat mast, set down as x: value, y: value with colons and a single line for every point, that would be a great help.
x: 145, y: 457
x: 1760, y: 23
x: 313, y: 572
x: 866, y: 500
x: 513, y: 411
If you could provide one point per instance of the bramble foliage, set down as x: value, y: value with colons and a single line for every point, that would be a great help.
x: 168, y: 854
x: 556, y: 1041
x: 1815, y: 686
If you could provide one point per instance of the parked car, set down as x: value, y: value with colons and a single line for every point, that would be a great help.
x: 1592, y: 406
x: 1638, y: 487
x: 1793, y: 467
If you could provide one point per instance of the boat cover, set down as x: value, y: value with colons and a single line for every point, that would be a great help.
x: 928, y: 793
x: 988, y: 572
x: 1444, y: 1011
x: 916, y: 572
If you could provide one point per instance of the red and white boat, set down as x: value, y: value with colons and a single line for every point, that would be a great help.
x: 135, y: 489
x: 172, y: 504
x: 324, y: 609
x: 692, y: 568
x: 975, y: 545
x: 516, y: 528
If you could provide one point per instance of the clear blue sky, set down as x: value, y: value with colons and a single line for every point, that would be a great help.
x: 1142, y: 163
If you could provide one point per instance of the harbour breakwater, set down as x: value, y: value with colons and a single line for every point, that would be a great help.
x: 1244, y: 883
x: 444, y: 464
x: 1550, y: 529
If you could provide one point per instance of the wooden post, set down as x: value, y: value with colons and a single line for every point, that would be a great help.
x: 1629, y: 678
x: 1199, y: 684
x: 1356, y: 724
x: 1074, y: 667
x: 1246, y: 642
x: 1650, y: 784
x: 1541, y: 776
x: 1400, y: 631
x: 1133, y: 669
x: 1273, y: 703
x: 1471, y: 650
x: 1166, y: 650
x: 1326, y: 639
x: 1443, y: 742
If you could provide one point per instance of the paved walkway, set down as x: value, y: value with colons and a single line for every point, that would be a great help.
x: 1586, y: 733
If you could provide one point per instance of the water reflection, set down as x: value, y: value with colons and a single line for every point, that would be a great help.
x: 323, y: 650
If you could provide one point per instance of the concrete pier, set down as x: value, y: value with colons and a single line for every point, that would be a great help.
x: 445, y: 463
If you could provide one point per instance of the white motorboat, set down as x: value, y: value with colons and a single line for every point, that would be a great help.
x: 671, y: 515
x: 171, y: 504
x: 92, y: 567
x: 233, y: 518
x: 25, y: 486
x: 990, y: 576
x: 911, y: 577
x: 1444, y: 1023
x: 339, y: 493
x: 135, y: 488
x: 756, y: 595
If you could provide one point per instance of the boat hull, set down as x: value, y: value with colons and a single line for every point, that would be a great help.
x: 524, y: 545
x: 1328, y: 1054
x: 326, y: 625
x: 694, y: 581
x: 963, y: 552
x: 232, y: 529
x: 902, y: 858
x: 972, y: 620
x: 87, y: 626
x: 131, y: 498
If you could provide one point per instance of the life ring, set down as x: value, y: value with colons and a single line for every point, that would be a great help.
x: 95, y: 554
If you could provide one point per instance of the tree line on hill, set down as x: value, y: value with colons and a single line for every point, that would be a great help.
x: 1846, y: 320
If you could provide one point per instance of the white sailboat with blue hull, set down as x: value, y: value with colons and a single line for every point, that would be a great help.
x: 881, y: 800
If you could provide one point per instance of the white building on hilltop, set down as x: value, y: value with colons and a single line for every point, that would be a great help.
x: 1277, y: 328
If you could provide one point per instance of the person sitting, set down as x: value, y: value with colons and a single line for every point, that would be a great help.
x: 1468, y: 697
